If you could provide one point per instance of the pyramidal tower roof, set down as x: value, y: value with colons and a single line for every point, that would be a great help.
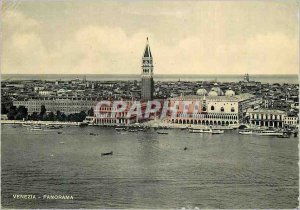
x: 147, y: 53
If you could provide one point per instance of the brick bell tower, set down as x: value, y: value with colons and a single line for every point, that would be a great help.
x: 147, y: 87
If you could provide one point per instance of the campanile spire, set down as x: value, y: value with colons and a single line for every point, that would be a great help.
x: 147, y: 74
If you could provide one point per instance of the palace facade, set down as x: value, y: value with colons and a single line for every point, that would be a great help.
x: 212, y: 108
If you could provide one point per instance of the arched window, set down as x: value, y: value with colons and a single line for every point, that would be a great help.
x: 186, y: 107
x: 204, y: 109
x: 212, y: 108
x: 222, y: 109
x: 196, y: 107
x: 232, y: 109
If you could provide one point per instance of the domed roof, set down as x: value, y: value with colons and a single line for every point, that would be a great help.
x: 201, y: 92
x: 218, y: 91
x: 229, y: 93
x: 212, y: 93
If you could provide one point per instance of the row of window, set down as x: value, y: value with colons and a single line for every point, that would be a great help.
x: 208, y: 117
x: 212, y: 108
x: 267, y: 117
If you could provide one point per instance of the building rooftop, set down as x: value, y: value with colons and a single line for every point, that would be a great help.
x: 267, y: 111
x: 239, y: 98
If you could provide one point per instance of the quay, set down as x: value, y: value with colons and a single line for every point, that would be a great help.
x: 39, y: 122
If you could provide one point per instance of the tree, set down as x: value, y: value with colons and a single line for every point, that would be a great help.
x: 63, y: 117
x: 58, y: 115
x: 34, y: 116
x: 81, y: 116
x: 21, y: 113
x: 43, y: 112
x: 76, y: 117
x: 11, y: 115
x: 91, y: 112
x: 50, y: 116
x: 3, y: 109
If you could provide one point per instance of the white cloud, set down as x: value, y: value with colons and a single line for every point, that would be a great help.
x: 109, y: 50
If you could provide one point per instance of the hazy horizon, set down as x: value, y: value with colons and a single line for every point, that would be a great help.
x: 139, y: 74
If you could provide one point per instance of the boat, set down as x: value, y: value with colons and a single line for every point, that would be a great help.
x: 107, y: 153
x: 59, y: 132
x: 261, y: 132
x: 295, y: 133
x: 120, y: 129
x: 245, y: 132
x: 205, y: 130
x: 54, y: 126
x: 162, y: 132
x: 284, y: 135
x: 267, y: 133
x: 133, y: 130
x: 93, y: 134
x: 217, y: 132
x: 26, y: 125
x: 83, y: 124
x: 36, y: 128
x: 61, y: 142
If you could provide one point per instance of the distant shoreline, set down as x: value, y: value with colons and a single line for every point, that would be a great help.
x: 263, y: 78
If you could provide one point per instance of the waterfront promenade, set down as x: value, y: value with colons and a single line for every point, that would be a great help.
x: 150, y: 124
x: 39, y: 122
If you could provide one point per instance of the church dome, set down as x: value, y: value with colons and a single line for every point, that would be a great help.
x: 229, y: 93
x: 201, y: 92
x: 217, y: 90
x: 212, y: 93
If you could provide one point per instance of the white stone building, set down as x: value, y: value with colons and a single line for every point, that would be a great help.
x: 267, y: 118
x: 214, y: 109
x: 67, y: 106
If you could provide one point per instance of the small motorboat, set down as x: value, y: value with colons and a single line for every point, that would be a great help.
x: 246, y: 132
x: 26, y: 124
x: 61, y: 142
x: 83, y: 124
x: 107, y: 153
x: 59, y: 132
x: 185, y: 148
x: 120, y: 129
x: 284, y: 135
x: 93, y: 134
x: 36, y: 128
x: 206, y: 130
x: 54, y: 126
x: 162, y: 132
x: 217, y: 132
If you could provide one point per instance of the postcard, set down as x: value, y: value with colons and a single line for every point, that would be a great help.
x: 149, y: 104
